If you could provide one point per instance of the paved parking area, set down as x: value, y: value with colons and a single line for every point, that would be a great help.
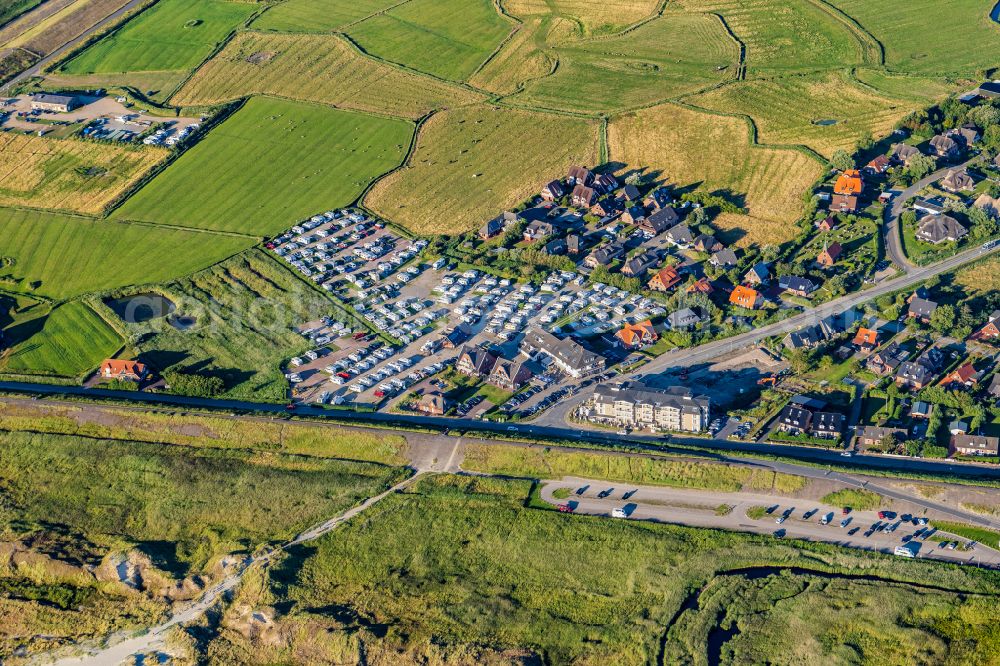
x: 801, y: 518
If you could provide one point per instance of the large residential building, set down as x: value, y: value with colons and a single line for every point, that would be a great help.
x: 567, y: 355
x: 637, y: 405
x: 475, y: 362
x: 974, y: 445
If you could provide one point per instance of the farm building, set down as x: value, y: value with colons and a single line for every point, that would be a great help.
x: 57, y: 103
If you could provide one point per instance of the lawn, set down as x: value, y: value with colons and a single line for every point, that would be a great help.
x: 674, y: 54
x: 864, y: 500
x: 170, y: 35
x: 69, y: 175
x: 61, y: 256
x: 549, y: 464
x: 317, y: 15
x: 245, y: 310
x: 446, y: 38
x: 70, y: 341
x: 787, y: 110
x: 472, y: 163
x: 922, y: 88
x: 317, y: 68
x: 926, y: 36
x: 458, y: 570
x: 272, y: 163
x: 682, y: 146
x: 782, y: 36
x: 595, y: 17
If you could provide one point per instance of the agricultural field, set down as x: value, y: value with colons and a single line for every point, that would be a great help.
x: 782, y: 36
x: 59, y: 256
x: 924, y: 89
x: 928, y: 37
x: 326, y: 157
x: 244, y: 310
x: 69, y: 175
x: 317, y: 68
x: 522, y: 58
x: 446, y: 38
x: 680, y: 146
x: 594, y: 18
x: 79, y: 506
x: 459, y: 570
x: 471, y: 163
x: 47, y: 28
x: 824, y: 112
x: 673, y: 54
x: 318, y: 15
x: 70, y: 341
x: 172, y: 35
x: 981, y: 277
x: 156, y: 86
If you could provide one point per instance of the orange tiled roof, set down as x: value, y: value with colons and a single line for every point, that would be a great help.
x: 849, y: 182
x: 743, y: 296
x: 632, y: 334
x: 117, y: 366
x: 866, y: 336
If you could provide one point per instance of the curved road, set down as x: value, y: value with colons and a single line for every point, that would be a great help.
x: 893, y: 237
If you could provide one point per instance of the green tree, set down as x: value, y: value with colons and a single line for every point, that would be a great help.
x: 943, y: 319
x: 920, y: 166
x: 841, y: 160
x: 985, y: 116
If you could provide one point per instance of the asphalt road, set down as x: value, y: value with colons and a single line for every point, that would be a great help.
x: 696, y: 508
x: 71, y: 44
x: 701, y: 354
x: 893, y: 237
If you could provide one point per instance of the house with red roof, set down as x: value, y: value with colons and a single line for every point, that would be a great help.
x: 634, y: 336
x: 124, y: 370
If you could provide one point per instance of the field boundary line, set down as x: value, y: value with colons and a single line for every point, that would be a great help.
x: 411, y: 149
x: 869, y: 44
x: 741, y: 66
x: 517, y: 25
x: 95, y: 37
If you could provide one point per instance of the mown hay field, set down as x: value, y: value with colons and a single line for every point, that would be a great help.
x: 245, y: 311
x: 67, y: 174
x: 471, y: 163
x: 782, y: 36
x: 272, y: 163
x: 207, y: 431
x: 70, y: 341
x: 446, y: 38
x: 921, y: 88
x: 170, y: 35
x: 594, y: 17
x: 981, y: 277
x: 317, y: 68
x: 317, y: 15
x: 157, y: 86
x: 521, y: 59
x: 60, y: 256
x: 673, y: 54
x: 931, y: 37
x: 787, y: 110
x: 685, y: 147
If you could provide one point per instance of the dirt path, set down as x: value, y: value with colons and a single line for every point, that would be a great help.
x: 155, y: 637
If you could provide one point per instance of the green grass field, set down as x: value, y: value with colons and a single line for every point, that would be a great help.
x: 70, y: 341
x: 245, y: 309
x: 60, y: 256
x: 673, y: 54
x: 447, y: 38
x: 783, y: 36
x: 317, y: 15
x: 594, y: 18
x: 925, y: 36
x: 11, y: 9
x: 463, y: 172
x: 458, y: 570
x: 171, y: 35
x: 317, y: 68
x: 272, y: 163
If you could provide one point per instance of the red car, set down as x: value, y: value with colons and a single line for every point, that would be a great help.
x: 344, y: 375
x: 379, y: 394
x: 881, y: 515
x: 565, y: 508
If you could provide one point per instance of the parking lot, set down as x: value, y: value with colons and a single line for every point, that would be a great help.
x: 383, y: 277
